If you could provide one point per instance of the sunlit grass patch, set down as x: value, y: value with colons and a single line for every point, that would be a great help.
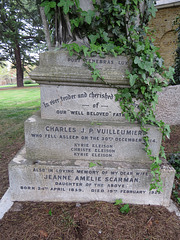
x: 15, y: 107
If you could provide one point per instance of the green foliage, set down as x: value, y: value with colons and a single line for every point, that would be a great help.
x: 66, y: 4
x: 3, y: 68
x: 28, y: 82
x: 115, y: 28
x: 50, y: 212
x: 21, y: 32
x: 18, y: 26
x: 176, y: 194
x: 174, y: 160
x: 177, y: 60
x: 91, y: 164
x: 118, y: 202
x: 125, y: 208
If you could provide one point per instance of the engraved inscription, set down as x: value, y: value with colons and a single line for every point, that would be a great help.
x: 96, y: 142
x: 84, y: 104
x: 99, y: 61
x: 91, y: 181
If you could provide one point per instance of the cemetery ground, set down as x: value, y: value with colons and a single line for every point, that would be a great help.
x: 68, y: 221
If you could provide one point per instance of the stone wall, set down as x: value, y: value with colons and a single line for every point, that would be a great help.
x: 165, y: 35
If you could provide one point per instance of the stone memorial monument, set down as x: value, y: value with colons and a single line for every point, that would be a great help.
x: 80, y: 123
x: 80, y: 147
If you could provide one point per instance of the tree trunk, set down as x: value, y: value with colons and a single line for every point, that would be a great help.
x: 19, y: 69
x: 46, y: 28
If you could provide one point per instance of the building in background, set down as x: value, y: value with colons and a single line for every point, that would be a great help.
x: 164, y: 29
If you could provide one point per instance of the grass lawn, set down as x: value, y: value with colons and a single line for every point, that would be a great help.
x: 16, y: 105
x: 15, y: 85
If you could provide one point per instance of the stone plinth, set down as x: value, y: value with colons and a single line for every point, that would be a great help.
x: 73, y: 180
x: 57, y: 67
x: 62, y: 140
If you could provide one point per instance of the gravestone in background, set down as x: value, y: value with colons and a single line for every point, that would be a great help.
x: 81, y: 125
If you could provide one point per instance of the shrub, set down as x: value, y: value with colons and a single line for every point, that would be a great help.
x: 177, y: 60
x: 28, y: 82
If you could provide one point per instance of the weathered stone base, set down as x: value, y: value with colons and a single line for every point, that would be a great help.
x: 74, y: 180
